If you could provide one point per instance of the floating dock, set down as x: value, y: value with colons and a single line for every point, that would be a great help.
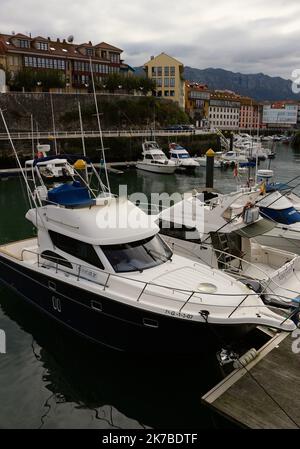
x: 265, y: 394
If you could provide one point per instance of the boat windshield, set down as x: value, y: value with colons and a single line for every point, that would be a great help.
x: 183, y: 155
x: 158, y: 156
x: 137, y: 256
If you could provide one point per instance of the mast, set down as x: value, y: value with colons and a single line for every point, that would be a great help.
x: 53, y: 123
x: 99, y: 125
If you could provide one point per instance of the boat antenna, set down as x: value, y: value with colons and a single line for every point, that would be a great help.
x: 29, y: 192
x: 32, y: 134
x: 81, y: 129
x: 99, y: 126
x: 53, y: 123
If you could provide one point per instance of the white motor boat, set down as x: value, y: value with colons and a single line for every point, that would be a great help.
x: 155, y: 160
x: 234, y: 157
x: 51, y: 168
x: 220, y: 231
x: 218, y: 162
x: 181, y: 158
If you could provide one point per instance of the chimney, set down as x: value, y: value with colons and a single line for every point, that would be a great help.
x: 48, y: 38
x: 90, y: 43
x: 57, y: 40
x: 152, y: 57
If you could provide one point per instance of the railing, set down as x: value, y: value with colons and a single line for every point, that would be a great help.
x: 144, y: 285
x: 105, y: 133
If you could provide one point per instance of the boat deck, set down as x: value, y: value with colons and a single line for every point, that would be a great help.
x: 21, y: 250
x: 265, y: 395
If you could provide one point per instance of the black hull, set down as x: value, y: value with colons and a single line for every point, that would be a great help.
x: 116, y: 325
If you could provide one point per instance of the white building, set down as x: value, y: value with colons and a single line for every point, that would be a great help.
x: 224, y: 110
x: 280, y: 115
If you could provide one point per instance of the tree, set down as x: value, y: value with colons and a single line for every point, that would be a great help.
x: 28, y: 79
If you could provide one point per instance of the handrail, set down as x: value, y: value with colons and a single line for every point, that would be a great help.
x: 173, y: 289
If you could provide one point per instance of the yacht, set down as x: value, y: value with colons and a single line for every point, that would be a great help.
x: 222, y: 232
x: 181, y: 158
x: 99, y: 267
x: 155, y: 160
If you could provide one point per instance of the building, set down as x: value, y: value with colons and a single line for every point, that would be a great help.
x: 19, y: 51
x: 167, y: 73
x: 280, y: 115
x: 250, y: 114
x: 197, y: 98
x: 224, y: 110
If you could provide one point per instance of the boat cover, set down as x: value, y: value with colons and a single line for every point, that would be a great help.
x: 70, y: 195
x: 258, y: 228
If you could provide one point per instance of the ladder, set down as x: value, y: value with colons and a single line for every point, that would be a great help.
x: 224, y: 142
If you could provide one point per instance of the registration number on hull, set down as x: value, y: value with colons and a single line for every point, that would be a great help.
x: 179, y: 314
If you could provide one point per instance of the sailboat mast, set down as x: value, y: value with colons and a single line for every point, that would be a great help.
x: 81, y: 129
x: 53, y: 123
x: 99, y: 125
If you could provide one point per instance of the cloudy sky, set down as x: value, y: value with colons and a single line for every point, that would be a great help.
x: 249, y: 36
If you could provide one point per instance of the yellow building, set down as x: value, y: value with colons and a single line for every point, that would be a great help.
x: 167, y: 73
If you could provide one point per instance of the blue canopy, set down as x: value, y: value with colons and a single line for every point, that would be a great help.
x: 284, y: 216
x: 71, y: 195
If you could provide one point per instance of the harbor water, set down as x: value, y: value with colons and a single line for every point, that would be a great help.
x: 50, y: 378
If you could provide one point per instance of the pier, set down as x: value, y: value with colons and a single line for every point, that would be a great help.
x: 265, y: 394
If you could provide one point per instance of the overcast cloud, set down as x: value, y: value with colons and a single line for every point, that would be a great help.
x: 249, y: 36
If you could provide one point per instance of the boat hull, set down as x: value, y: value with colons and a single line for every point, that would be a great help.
x: 114, y: 324
x: 164, y: 169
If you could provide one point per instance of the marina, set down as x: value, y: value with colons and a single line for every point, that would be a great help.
x: 12, y: 192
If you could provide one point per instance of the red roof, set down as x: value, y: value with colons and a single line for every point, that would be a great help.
x: 58, y: 45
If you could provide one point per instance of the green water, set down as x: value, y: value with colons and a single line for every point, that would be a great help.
x: 50, y: 378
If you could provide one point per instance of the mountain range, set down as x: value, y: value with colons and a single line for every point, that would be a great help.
x: 257, y: 86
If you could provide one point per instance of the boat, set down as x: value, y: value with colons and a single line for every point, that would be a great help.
x: 221, y: 231
x: 181, y: 158
x: 234, y: 157
x: 154, y: 159
x: 218, y: 162
x: 99, y: 267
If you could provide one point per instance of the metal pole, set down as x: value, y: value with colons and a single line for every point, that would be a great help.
x: 210, y: 163
x: 53, y: 123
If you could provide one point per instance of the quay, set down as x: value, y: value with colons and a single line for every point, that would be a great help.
x: 265, y: 394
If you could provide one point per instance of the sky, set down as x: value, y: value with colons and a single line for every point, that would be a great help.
x: 247, y: 36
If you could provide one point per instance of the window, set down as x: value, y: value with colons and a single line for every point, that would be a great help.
x: 90, y: 52
x: 55, y: 258
x: 166, y: 93
x: 42, y: 45
x: 80, y: 250
x: 159, y: 82
x: 154, y: 71
x: 166, y: 82
x: 159, y: 71
x: 183, y: 232
x: 172, y: 82
x: 137, y: 256
x: 166, y: 71
x: 172, y: 71
x: 23, y: 43
x: 172, y: 93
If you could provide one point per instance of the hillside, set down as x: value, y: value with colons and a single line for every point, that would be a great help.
x: 258, y: 86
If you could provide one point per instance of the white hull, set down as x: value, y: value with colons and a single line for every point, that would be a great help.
x: 155, y: 168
